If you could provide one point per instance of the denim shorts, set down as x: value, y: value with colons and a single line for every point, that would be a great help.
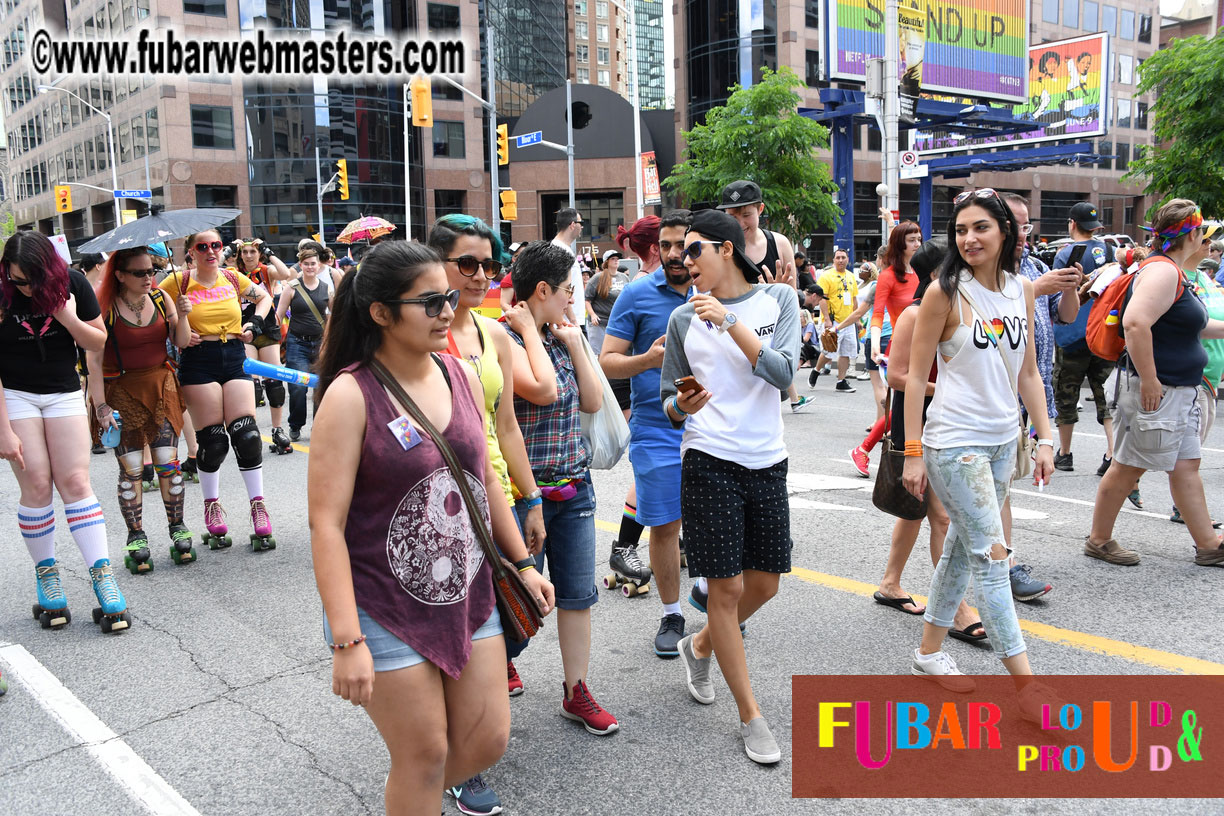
x: 569, y: 549
x: 212, y: 362
x: 391, y: 653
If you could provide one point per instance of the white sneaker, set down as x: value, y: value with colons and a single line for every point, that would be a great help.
x: 1035, y: 695
x: 941, y: 668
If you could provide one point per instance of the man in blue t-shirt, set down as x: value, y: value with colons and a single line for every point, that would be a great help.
x: 633, y: 348
x: 1073, y: 362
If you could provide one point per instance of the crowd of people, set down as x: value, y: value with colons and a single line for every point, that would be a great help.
x: 449, y: 452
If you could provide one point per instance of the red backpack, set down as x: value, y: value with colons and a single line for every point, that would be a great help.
x: 1104, y: 334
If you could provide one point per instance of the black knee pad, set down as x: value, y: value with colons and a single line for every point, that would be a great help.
x: 275, y: 389
x: 214, y: 445
x: 247, y: 444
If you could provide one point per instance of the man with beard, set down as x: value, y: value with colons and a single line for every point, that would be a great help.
x: 633, y: 348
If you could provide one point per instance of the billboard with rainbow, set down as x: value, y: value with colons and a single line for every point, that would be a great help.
x: 973, y: 48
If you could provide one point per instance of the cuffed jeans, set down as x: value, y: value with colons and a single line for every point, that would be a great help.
x: 300, y: 354
x: 973, y: 482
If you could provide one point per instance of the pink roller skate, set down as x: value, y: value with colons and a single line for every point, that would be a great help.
x: 217, y: 536
x: 262, y: 538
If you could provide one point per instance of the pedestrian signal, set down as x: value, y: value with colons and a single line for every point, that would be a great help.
x: 509, y: 205
x: 63, y: 198
x: 342, y: 181
x: 503, y: 145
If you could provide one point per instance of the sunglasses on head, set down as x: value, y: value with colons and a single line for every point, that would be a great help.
x: 140, y: 273
x: 433, y: 303
x: 215, y: 246
x: 693, y: 250
x: 468, y: 265
x: 985, y: 192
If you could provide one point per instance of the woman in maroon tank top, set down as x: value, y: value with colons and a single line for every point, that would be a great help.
x: 407, y: 593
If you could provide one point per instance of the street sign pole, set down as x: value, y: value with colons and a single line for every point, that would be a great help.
x: 319, y: 198
x: 494, y: 203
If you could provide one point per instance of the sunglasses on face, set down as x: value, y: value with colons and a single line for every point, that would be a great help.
x: 433, y: 303
x: 19, y: 282
x: 985, y: 192
x: 468, y: 265
x: 215, y: 246
x: 140, y: 273
x: 693, y: 250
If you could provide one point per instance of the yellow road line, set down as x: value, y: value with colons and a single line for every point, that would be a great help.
x: 1156, y: 658
x: 1053, y: 634
x: 294, y: 445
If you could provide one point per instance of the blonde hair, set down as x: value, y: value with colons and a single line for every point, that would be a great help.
x: 805, y: 317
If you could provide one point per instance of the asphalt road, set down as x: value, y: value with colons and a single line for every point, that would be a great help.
x: 219, y: 697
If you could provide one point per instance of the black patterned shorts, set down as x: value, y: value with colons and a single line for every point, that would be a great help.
x: 735, y: 518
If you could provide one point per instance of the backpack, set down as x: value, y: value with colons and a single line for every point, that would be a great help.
x: 1104, y: 333
x: 172, y: 351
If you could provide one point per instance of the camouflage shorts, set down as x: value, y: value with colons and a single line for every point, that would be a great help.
x: 1071, y: 368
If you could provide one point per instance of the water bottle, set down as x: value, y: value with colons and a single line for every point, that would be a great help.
x: 110, y: 437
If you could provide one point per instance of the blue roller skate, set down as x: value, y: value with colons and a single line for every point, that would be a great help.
x: 52, y: 608
x: 112, y: 616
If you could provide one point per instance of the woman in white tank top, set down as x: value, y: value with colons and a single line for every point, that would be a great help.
x: 968, y: 445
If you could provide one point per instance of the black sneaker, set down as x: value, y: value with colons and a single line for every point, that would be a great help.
x: 813, y: 377
x: 1105, y: 460
x: 97, y: 449
x: 697, y: 598
x: 671, y: 630
x: 295, y: 433
x: 1063, y: 461
x: 844, y: 387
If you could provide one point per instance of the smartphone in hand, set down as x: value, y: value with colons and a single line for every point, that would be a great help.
x: 1077, y: 254
x: 687, y: 385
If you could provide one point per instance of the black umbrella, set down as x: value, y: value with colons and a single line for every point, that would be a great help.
x: 158, y: 227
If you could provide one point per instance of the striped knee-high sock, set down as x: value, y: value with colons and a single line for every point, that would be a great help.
x: 38, y: 529
x: 88, y: 528
x: 630, y: 530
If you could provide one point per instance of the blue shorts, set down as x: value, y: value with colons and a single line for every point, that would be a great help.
x: 212, y: 362
x: 871, y: 364
x: 569, y: 549
x: 391, y: 653
x: 655, y: 456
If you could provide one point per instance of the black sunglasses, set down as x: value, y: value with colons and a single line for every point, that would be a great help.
x: 468, y: 265
x: 215, y: 246
x: 693, y: 250
x: 140, y: 273
x: 17, y: 282
x: 433, y: 303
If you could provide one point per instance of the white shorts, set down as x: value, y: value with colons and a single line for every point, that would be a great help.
x: 24, y: 405
x: 847, y: 342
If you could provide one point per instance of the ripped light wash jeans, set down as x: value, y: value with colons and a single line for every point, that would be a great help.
x: 973, y: 482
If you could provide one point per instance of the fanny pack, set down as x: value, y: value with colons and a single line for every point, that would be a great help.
x: 560, y: 491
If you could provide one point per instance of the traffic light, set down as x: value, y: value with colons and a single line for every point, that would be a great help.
x: 422, y: 103
x: 503, y: 145
x: 509, y: 205
x: 63, y: 198
x: 342, y: 181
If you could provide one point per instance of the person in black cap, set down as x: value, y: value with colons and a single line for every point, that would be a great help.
x: 739, y: 340
x: 1073, y: 362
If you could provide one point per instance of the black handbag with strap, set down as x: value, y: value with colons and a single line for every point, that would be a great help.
x: 889, y: 493
x: 520, y: 615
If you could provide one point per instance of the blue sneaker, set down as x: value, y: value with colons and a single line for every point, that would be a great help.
x: 475, y: 798
x: 51, y: 611
x: 1024, y: 587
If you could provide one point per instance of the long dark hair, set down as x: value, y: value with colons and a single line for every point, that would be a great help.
x: 954, y: 263
x: 926, y: 261
x: 894, y: 253
x: 352, y: 336
x: 41, y: 265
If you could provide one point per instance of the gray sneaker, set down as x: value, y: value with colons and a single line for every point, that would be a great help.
x: 697, y: 671
x: 759, y: 743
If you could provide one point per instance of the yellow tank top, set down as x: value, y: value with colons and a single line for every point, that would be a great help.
x: 488, y: 370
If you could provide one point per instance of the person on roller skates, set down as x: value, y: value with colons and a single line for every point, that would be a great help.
x: 215, y: 387
x: 47, y: 312
x: 256, y: 260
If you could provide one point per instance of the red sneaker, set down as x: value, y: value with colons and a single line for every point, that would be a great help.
x: 516, y: 682
x: 860, y: 459
x: 581, y: 707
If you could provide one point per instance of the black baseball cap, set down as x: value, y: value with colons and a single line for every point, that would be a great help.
x: 718, y: 226
x: 1086, y: 216
x: 739, y: 193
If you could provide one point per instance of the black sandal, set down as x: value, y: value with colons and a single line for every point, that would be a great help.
x: 897, y: 603
x: 964, y: 634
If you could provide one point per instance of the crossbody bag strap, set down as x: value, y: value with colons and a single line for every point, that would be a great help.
x: 995, y: 342
x: 305, y: 293
x: 452, y: 462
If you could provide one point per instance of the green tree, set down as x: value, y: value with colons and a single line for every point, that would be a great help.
x: 1186, y: 159
x: 8, y: 227
x: 758, y: 135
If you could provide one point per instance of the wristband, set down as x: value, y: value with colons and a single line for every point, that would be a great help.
x: 535, y: 494
x: 335, y: 647
x: 675, y: 404
x: 1049, y: 442
x: 913, y: 447
x: 534, y: 502
x: 526, y: 564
